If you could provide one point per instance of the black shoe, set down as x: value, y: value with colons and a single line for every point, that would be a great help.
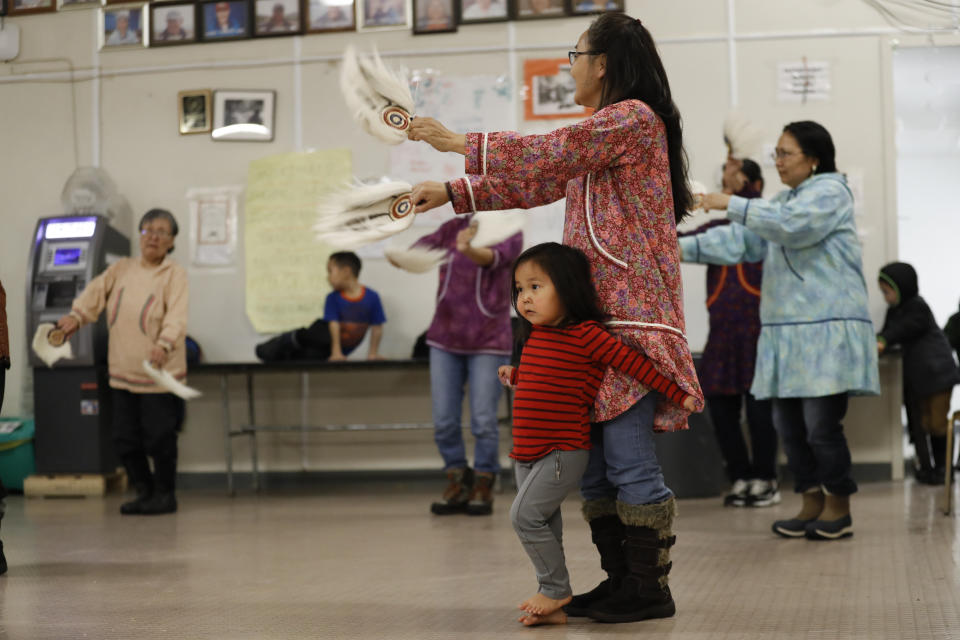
x: 632, y: 603
x: 580, y: 604
x: 830, y: 529
x: 159, y: 503
x: 935, y: 476
x: 3, y: 560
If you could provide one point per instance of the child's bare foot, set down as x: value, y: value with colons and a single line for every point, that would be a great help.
x: 541, y: 605
x: 532, y: 620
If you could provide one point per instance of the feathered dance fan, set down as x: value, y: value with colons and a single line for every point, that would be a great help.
x: 378, y: 96
x: 168, y: 382
x: 50, y: 344
x: 493, y: 227
x: 364, y: 213
x: 696, y: 216
x: 744, y: 139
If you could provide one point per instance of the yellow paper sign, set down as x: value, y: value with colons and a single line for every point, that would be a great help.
x: 286, y: 267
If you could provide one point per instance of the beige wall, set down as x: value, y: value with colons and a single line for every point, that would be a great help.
x: 133, y: 102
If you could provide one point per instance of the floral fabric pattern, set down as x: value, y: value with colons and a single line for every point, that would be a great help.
x: 614, y: 170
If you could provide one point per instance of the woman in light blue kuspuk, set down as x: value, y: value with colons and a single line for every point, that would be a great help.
x: 817, y: 343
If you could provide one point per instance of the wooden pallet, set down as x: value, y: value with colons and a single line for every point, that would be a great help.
x: 74, y: 485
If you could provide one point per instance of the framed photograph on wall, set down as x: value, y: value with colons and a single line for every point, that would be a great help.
x: 24, y: 7
x: 194, y: 111
x: 585, y: 7
x: 330, y: 15
x: 243, y: 115
x: 173, y: 23
x: 539, y: 9
x: 276, y: 18
x: 549, y: 90
x: 434, y: 16
x: 224, y: 20
x: 384, y: 14
x: 123, y: 26
x: 472, y: 11
x: 66, y: 5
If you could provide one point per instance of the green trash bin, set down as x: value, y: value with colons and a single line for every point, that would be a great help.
x: 16, y: 453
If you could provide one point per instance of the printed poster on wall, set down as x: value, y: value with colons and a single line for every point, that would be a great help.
x: 549, y: 89
x: 213, y: 227
x: 286, y: 267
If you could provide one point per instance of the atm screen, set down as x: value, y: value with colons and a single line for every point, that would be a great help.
x: 66, y: 256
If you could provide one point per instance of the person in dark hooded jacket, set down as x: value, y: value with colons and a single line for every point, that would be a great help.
x: 952, y: 329
x: 929, y: 370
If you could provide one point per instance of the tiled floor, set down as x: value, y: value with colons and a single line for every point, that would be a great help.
x: 370, y: 562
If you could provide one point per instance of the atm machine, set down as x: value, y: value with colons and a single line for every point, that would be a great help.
x: 71, y: 400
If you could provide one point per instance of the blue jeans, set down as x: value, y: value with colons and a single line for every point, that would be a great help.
x: 623, y: 461
x: 812, y: 435
x: 449, y: 373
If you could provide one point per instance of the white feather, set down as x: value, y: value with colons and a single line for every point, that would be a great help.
x: 369, y: 87
x: 415, y: 259
x: 495, y: 227
x: 358, y: 215
x: 743, y: 138
x: 46, y: 351
x: 168, y: 382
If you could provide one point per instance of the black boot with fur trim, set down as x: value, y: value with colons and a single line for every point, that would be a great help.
x: 456, y: 496
x: 643, y: 592
x: 606, y: 530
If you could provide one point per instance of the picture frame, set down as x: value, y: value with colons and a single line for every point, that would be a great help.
x: 243, y: 115
x: 434, y: 16
x: 27, y: 7
x: 195, y: 111
x: 222, y: 20
x: 539, y: 9
x: 70, y: 5
x: 324, y: 16
x: 480, y: 11
x: 549, y: 90
x: 173, y: 23
x: 277, y: 18
x: 590, y: 7
x: 124, y: 26
x: 382, y: 15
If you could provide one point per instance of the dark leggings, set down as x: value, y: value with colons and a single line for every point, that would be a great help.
x: 725, y: 414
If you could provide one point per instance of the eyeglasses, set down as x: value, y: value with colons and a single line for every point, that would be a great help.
x: 572, y: 55
x: 156, y: 233
x: 782, y: 154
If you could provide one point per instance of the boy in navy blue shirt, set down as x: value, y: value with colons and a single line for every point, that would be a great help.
x: 351, y: 308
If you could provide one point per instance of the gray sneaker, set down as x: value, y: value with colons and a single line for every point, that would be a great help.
x: 737, y: 497
x: 763, y: 493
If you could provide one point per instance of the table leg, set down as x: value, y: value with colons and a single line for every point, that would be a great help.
x: 227, y: 444
x: 304, y: 417
x: 251, y: 417
x: 948, y: 475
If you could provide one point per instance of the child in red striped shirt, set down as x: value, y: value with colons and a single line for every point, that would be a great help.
x: 566, y: 352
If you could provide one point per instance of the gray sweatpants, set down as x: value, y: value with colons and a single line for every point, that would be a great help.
x: 535, y: 514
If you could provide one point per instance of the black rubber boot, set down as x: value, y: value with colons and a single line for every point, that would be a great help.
x: 133, y: 507
x: 643, y: 592
x: 456, y: 496
x: 607, y: 535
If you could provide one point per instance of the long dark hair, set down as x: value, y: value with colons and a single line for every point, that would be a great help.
x: 634, y: 71
x: 569, y: 270
x: 815, y: 142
